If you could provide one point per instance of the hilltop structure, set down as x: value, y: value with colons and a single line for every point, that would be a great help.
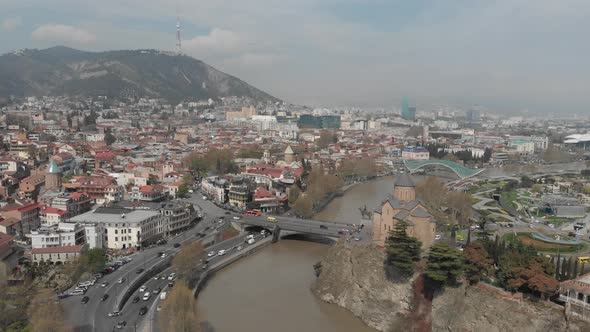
x: 402, y: 205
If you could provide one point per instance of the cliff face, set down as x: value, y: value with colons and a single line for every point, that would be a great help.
x: 353, y: 278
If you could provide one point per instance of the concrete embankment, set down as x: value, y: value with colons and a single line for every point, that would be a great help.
x: 210, y: 272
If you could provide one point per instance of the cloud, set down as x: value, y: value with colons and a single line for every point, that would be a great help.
x: 10, y: 24
x: 59, y: 33
x: 217, y: 42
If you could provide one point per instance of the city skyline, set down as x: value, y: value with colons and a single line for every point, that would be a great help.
x: 509, y: 55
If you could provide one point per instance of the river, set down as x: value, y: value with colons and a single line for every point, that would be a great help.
x: 270, y: 290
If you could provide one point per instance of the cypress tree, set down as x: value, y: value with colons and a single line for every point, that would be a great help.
x: 558, y: 268
x: 402, y: 250
x: 575, y: 269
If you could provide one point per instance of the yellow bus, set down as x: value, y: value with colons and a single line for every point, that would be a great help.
x: 584, y: 259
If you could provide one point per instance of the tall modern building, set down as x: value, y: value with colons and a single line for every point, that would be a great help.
x: 472, y: 116
x: 408, y: 113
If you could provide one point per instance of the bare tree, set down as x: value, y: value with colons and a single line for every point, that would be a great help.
x: 186, y: 260
x: 45, y: 314
x: 179, y: 310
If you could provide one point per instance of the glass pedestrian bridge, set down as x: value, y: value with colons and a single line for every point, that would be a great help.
x: 461, y: 171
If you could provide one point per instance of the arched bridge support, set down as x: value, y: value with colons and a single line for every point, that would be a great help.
x: 276, y: 234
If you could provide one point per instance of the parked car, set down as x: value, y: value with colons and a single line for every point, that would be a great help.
x: 120, y: 325
x: 85, y: 299
x: 143, y: 310
x: 114, y: 313
x: 104, y: 297
x: 221, y: 252
x: 176, y: 245
x: 171, y: 284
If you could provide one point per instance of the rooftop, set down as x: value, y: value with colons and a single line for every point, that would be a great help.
x: 114, y: 214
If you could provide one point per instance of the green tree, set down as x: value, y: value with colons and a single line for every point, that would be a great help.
x: 109, y: 138
x: 445, y: 264
x: 182, y: 190
x: 93, y: 260
x: 402, y: 250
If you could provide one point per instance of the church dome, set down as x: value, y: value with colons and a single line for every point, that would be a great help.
x: 404, y: 180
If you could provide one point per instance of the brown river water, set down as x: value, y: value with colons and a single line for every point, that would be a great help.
x: 270, y: 290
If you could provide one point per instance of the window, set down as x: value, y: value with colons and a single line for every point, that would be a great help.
x: 581, y: 296
x: 116, y: 231
x: 116, y: 239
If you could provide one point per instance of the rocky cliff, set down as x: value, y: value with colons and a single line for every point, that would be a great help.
x: 353, y: 277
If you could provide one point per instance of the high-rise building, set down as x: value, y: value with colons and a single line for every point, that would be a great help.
x: 472, y: 116
x: 408, y: 113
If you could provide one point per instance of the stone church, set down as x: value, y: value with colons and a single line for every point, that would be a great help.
x: 402, y: 205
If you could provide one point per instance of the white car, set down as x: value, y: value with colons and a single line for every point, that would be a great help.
x: 114, y: 313
x: 121, y: 280
x: 146, y: 296
x: 211, y: 254
x: 142, y: 288
x: 438, y: 237
x: 221, y: 252
x: 172, y: 276
x: 104, y: 284
x: 163, y: 255
x: 204, y: 198
x: 236, y: 218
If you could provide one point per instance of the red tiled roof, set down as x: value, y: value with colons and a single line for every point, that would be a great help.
x: 57, y: 250
x: 52, y: 210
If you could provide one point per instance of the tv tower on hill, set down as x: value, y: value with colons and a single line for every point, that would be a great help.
x: 178, y: 40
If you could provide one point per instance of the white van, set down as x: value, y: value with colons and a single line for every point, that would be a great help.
x: 251, y: 241
x: 146, y: 296
x: 77, y: 292
x: 163, y: 295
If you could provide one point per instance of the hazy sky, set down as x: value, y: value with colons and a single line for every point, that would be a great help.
x: 511, y: 54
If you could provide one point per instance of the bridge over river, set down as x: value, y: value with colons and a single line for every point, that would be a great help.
x: 297, y: 225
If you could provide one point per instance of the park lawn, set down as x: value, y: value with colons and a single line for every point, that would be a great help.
x: 509, y: 197
x: 492, y: 203
x: 559, y: 220
x: 527, y: 239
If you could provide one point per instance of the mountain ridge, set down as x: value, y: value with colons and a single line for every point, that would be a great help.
x: 61, y: 70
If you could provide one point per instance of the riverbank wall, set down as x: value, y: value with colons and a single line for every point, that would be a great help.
x: 210, y: 272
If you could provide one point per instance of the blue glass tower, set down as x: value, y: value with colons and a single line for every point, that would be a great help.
x: 408, y: 113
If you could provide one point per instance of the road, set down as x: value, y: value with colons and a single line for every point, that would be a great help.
x: 92, y: 316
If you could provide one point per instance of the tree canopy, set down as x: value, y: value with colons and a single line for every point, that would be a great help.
x: 445, y: 264
x: 186, y: 261
x: 179, y: 310
x: 402, y: 250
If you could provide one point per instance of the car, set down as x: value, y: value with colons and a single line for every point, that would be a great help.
x: 271, y: 219
x: 239, y: 248
x: 146, y: 296
x: 156, y: 290
x: 221, y: 252
x: 138, y: 271
x: 357, y: 238
x: 97, y: 275
x: 236, y: 218
x: 204, y: 198
x: 104, y: 284
x: 135, y: 299
x: 121, y: 280
x: 172, y: 276
x: 160, y: 253
x: 171, y: 284
x: 77, y: 292
x: 176, y: 245
x: 142, y: 288
x: 206, y: 228
x: 251, y: 241
x: 143, y: 310
x: 114, y: 313
x: 438, y: 237
x: 85, y: 299
x: 164, y: 255
x: 205, y: 266
x: 323, y: 227
x: 104, y: 297
x: 157, y: 277
x: 120, y: 325
x: 211, y: 254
